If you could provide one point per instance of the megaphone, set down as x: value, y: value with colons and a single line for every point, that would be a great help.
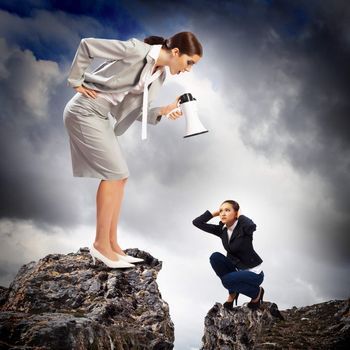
x: 188, y: 107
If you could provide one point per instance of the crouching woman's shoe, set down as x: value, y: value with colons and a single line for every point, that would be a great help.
x: 229, y: 304
x: 255, y: 305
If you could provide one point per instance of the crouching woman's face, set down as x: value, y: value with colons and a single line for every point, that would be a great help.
x: 228, y: 215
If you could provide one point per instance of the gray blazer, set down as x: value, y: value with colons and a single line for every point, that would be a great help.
x: 121, y: 72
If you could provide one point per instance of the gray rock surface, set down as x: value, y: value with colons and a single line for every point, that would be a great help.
x: 65, y: 302
x: 324, y: 326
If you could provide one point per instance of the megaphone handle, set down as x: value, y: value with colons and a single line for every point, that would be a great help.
x: 174, y: 110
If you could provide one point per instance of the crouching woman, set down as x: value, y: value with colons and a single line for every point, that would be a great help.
x: 240, y: 270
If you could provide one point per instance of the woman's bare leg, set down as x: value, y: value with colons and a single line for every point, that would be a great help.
x: 113, y: 238
x: 231, y: 297
x: 109, y: 191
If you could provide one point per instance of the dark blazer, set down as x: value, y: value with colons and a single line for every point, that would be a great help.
x: 240, y: 247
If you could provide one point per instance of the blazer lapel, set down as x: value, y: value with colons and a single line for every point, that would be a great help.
x: 148, y: 65
x: 145, y: 69
x: 224, y: 238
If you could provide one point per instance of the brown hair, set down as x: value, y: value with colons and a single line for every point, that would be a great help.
x: 234, y: 204
x: 186, y: 42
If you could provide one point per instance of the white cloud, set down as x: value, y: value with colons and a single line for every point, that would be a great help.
x: 23, y: 241
x: 27, y: 83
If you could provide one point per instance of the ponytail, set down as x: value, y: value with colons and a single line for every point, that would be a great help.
x: 155, y: 40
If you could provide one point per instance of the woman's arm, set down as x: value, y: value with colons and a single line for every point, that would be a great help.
x: 90, y: 48
x: 247, y: 225
x: 171, y: 107
x: 155, y: 114
x: 201, y: 223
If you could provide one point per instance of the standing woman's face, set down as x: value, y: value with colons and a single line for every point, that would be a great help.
x: 227, y: 214
x: 181, y: 63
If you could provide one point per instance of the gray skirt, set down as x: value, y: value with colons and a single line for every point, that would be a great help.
x: 94, y: 147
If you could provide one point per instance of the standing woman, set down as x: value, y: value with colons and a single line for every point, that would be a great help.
x: 124, y: 86
x: 241, y: 270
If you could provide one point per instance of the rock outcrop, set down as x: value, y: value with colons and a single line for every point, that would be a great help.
x: 324, y: 326
x: 64, y: 302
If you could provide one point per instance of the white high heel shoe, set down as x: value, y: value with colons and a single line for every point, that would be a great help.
x: 129, y: 259
x: 120, y: 264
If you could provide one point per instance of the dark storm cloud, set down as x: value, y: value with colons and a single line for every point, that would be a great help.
x: 285, y: 67
x: 51, y: 35
x: 111, y: 13
x: 24, y: 121
x: 33, y: 179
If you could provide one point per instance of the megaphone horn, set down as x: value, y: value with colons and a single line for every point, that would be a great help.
x: 188, y: 107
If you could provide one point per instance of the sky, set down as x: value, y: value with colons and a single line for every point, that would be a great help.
x: 272, y: 88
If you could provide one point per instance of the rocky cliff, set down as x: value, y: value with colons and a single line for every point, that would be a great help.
x: 64, y: 302
x: 324, y: 326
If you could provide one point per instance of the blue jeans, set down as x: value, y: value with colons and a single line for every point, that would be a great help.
x: 236, y: 281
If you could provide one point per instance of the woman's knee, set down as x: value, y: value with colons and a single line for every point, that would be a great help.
x: 215, y: 257
x: 115, y: 182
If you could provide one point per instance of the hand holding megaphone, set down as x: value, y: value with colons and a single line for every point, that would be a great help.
x: 175, y: 112
x: 170, y: 114
x: 187, y: 105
